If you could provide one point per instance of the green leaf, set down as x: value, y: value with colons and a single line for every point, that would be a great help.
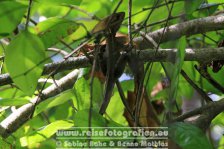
x: 45, y: 133
x: 221, y: 142
x: 54, y: 29
x: 13, y: 102
x: 154, y: 76
x: 188, y: 136
x: 187, y: 91
x: 82, y: 93
x: 11, y: 13
x: 82, y: 119
x: 67, y: 108
x: 4, y: 143
x: 207, y: 9
x: 214, y: 1
x: 54, y: 101
x: 219, y: 120
x: 178, y: 65
x: 116, y: 107
x: 59, y: 2
x: 24, y: 60
x: 192, y: 5
x: 218, y: 77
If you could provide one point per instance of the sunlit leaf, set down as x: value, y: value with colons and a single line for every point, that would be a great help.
x: 4, y: 143
x: 11, y: 13
x: 69, y: 2
x: 13, y: 102
x: 82, y: 93
x: 221, y: 142
x: 82, y: 119
x: 188, y: 136
x: 45, y: 133
x: 53, y: 30
x: 116, y: 107
x: 54, y: 101
x: 67, y: 108
x: 24, y: 60
x: 214, y: 1
x: 219, y: 119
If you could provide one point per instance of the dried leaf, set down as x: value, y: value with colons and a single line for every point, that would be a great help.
x: 147, y: 116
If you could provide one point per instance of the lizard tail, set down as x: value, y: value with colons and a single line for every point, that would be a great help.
x: 108, y: 93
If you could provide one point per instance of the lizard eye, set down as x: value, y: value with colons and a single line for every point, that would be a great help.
x: 114, y: 18
x: 117, y: 17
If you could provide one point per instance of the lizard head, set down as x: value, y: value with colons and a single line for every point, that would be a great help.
x: 112, y: 22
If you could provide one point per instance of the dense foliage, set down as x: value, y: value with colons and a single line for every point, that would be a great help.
x: 40, y: 33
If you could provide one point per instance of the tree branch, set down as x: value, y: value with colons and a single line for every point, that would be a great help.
x: 188, y: 28
x: 207, y: 114
x: 163, y: 55
x: 69, y: 64
x: 22, y: 115
x: 171, y: 33
x: 169, y: 55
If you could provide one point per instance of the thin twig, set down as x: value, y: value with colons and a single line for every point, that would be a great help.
x: 129, y: 23
x: 125, y: 103
x: 208, y: 77
x: 210, y: 38
x: 199, y: 90
x: 45, y: 116
x: 28, y: 14
x: 63, y: 52
x: 140, y: 89
x: 163, y: 55
x: 118, y: 5
x: 83, y: 11
x: 31, y: 20
x: 77, y: 49
x: 150, y: 13
x: 17, y: 119
x: 56, y: 84
x: 153, y: 7
x: 158, y: 45
x: 65, y: 44
x: 91, y: 97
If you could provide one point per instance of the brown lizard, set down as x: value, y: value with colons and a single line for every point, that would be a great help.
x: 111, y: 56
